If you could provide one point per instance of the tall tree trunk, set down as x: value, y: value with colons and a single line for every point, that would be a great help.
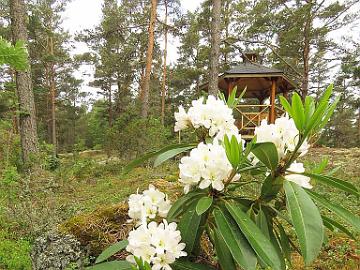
x: 215, y: 47
x: 149, y: 57
x: 163, y: 86
x: 306, y: 53
x: 52, y: 86
x: 28, y: 132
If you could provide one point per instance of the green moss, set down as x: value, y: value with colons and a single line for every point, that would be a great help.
x: 99, y: 228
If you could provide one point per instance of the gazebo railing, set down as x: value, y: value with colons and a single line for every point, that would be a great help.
x: 250, y: 116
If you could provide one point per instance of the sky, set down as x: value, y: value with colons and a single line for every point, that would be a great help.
x: 84, y: 14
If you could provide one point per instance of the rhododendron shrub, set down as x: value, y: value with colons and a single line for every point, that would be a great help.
x: 248, y: 228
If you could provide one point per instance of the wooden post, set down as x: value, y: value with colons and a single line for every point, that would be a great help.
x: 272, y: 101
x: 230, y: 86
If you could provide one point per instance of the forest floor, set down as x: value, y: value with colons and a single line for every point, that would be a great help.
x: 92, y: 182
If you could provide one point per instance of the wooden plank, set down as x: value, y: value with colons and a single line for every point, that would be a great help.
x: 272, y: 101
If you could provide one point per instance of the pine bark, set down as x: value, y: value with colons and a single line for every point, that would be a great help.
x: 28, y: 131
x: 215, y: 47
x: 52, y: 86
x: 149, y: 57
x: 163, y: 86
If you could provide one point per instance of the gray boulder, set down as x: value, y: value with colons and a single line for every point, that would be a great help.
x: 55, y: 251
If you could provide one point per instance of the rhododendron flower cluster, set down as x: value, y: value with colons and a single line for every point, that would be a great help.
x: 214, y: 115
x: 283, y: 134
x: 158, y: 244
x: 294, y: 176
x: 207, y: 165
x: 148, y: 205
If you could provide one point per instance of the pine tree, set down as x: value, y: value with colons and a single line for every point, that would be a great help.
x: 28, y: 131
x: 145, y: 89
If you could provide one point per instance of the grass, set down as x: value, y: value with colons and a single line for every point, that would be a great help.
x: 91, y: 184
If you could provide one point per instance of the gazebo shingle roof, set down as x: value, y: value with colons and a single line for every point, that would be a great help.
x: 257, y: 79
x: 251, y: 68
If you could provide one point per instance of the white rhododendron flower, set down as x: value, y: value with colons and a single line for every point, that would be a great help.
x: 283, y: 133
x: 158, y: 244
x: 213, y: 115
x: 148, y: 205
x: 207, y: 165
x: 182, y: 119
x: 293, y: 175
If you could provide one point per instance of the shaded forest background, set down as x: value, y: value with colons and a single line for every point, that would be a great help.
x: 138, y: 92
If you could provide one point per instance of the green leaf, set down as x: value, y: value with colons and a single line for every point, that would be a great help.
x: 222, y: 252
x: 298, y: 112
x: 337, y: 209
x: 187, y: 265
x: 113, y: 265
x: 153, y: 154
x: 15, y: 56
x: 267, y: 153
x: 309, y: 107
x: 111, y: 250
x: 285, y: 243
x: 262, y: 223
x: 189, y: 227
x: 203, y: 205
x: 329, y: 113
x: 183, y: 203
x: 338, y: 225
x: 271, y: 187
x: 321, y: 108
x: 306, y: 220
x: 335, y: 182
x: 321, y: 166
x: 170, y: 154
x: 277, y: 245
x: 235, y: 241
x: 258, y: 241
x: 233, y: 150
x: 286, y: 105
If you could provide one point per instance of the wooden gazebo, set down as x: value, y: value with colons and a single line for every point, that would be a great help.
x: 261, y: 82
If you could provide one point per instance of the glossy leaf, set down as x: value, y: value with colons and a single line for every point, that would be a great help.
x: 309, y: 107
x: 203, y: 205
x: 111, y: 250
x: 338, y: 225
x: 337, y: 209
x: 258, y: 241
x: 237, y: 244
x: 285, y: 103
x: 312, y: 124
x: 170, y: 154
x: 306, y: 220
x: 298, y: 112
x: 113, y: 265
x: 182, y: 203
x: 187, y: 265
x: 335, y: 182
x: 223, y: 253
x: 285, y: 243
x: 153, y: 154
x: 267, y: 154
x: 189, y: 226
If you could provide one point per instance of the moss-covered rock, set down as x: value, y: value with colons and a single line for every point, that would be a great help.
x: 100, y: 228
x: 108, y: 224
